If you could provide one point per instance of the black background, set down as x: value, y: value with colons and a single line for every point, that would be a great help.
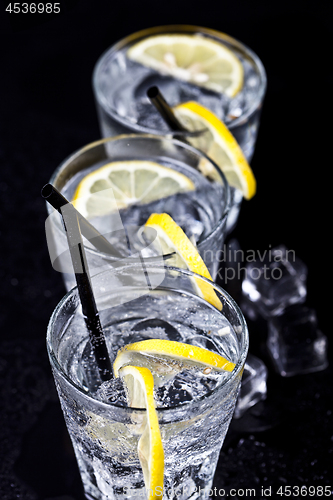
x: 47, y: 111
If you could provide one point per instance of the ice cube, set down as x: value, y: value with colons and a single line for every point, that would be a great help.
x: 247, y: 95
x: 155, y: 328
x: 147, y: 114
x: 236, y: 106
x: 216, y: 103
x: 87, y: 372
x: 112, y: 391
x: 275, y: 281
x: 190, y: 216
x: 253, y: 387
x: 175, y: 92
x: 295, y: 343
x: 188, y: 384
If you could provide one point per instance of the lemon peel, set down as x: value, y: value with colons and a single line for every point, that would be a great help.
x: 219, y: 144
x: 173, y: 239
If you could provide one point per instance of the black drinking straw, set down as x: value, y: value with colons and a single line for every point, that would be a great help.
x: 164, y: 109
x: 91, y: 317
x: 57, y: 200
x: 166, y: 112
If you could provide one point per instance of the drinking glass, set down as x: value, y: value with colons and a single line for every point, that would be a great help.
x: 120, y: 87
x: 135, y: 304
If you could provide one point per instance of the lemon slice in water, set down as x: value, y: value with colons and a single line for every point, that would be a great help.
x: 139, y: 382
x: 193, y: 58
x: 131, y: 182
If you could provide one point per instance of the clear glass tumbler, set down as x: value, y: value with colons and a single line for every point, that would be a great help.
x: 201, y: 211
x: 193, y: 425
x: 120, y: 85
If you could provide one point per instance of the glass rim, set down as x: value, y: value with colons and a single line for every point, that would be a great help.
x: 177, y: 28
x: 103, y: 405
x: 221, y: 221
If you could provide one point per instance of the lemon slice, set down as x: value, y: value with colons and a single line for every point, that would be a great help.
x: 219, y: 144
x: 140, y: 387
x: 193, y: 58
x: 131, y: 182
x: 173, y: 239
x: 175, y: 351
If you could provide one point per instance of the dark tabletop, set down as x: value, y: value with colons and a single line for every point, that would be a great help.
x: 47, y: 111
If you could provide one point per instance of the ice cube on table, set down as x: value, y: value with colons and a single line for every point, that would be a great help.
x: 253, y: 386
x: 295, y: 343
x: 275, y: 281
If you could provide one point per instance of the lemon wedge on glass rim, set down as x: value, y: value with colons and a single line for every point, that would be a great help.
x: 173, y: 239
x: 134, y: 181
x: 219, y: 144
x: 193, y: 58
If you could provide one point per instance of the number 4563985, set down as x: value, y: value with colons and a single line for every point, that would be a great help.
x: 32, y: 8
